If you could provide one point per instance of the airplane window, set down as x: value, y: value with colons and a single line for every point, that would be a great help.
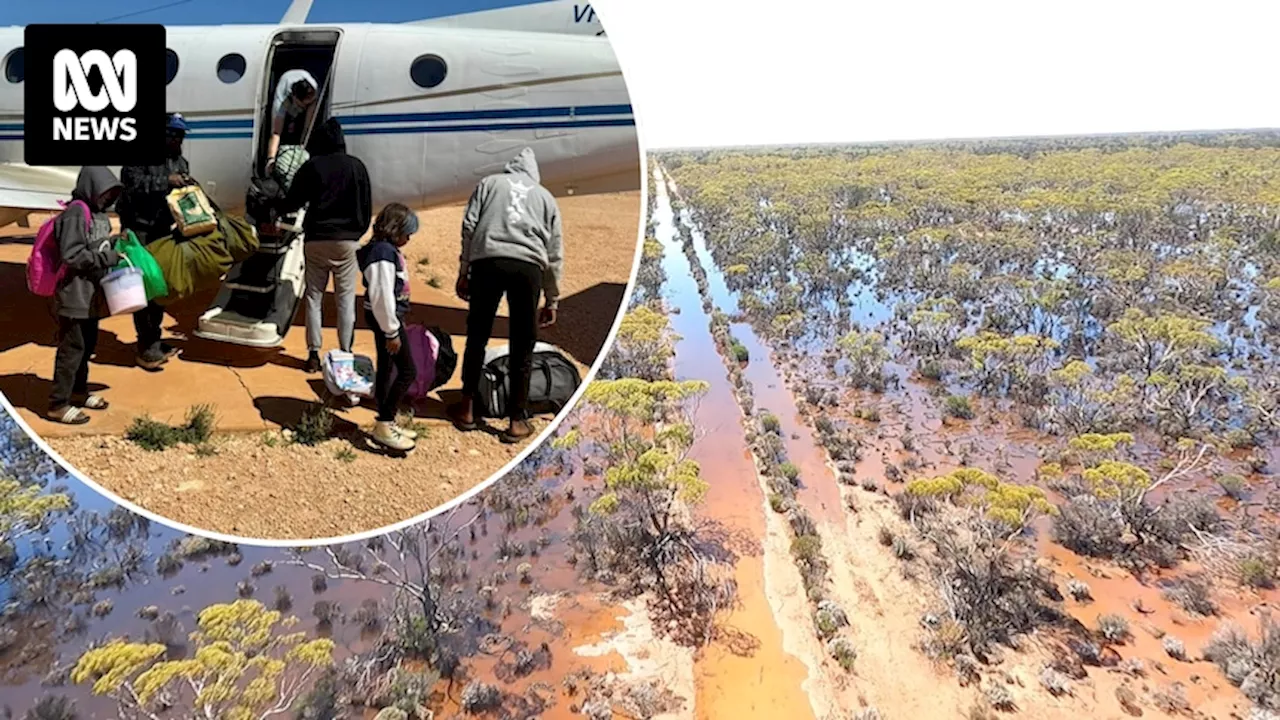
x: 231, y: 67
x: 171, y: 66
x: 15, y: 66
x: 428, y: 71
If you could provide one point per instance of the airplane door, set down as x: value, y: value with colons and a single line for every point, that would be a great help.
x: 315, y: 50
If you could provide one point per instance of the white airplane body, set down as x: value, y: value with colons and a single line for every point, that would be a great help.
x: 426, y: 143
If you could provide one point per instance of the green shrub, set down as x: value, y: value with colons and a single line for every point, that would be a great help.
x: 777, y: 502
x: 1257, y: 572
x: 151, y: 434
x: 740, y: 352
x: 200, y: 423
x: 1233, y: 486
x: 315, y: 425
x: 770, y: 423
x: 789, y: 471
x: 932, y: 370
x: 155, y: 436
x: 807, y: 549
x: 345, y: 454
x: 958, y: 407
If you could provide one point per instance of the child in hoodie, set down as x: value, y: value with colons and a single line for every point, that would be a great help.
x: 386, y: 280
x: 88, y: 256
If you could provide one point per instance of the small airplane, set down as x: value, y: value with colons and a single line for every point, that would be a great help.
x: 430, y: 106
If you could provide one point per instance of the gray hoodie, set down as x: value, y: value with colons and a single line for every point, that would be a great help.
x: 87, y: 255
x: 510, y: 215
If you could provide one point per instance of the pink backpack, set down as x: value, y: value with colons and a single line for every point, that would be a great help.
x: 45, y: 268
x: 433, y: 356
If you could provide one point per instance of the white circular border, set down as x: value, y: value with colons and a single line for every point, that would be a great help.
x: 456, y: 502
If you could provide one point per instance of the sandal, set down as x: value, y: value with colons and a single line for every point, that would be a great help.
x: 70, y: 415
x: 459, y: 423
x: 510, y: 438
x: 95, y: 402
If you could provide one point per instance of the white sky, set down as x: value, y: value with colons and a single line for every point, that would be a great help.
x: 722, y: 72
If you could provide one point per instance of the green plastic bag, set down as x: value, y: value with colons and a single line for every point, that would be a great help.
x: 152, y: 277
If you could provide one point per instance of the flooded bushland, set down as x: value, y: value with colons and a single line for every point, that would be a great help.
x: 1042, y: 378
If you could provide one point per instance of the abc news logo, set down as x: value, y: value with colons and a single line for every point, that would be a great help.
x: 95, y: 95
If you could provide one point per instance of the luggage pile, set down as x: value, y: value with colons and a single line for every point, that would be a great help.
x: 553, y: 380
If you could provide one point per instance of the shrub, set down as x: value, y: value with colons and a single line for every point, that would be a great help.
x: 197, y: 429
x: 777, y: 502
x: 151, y: 434
x: 1055, y: 682
x: 870, y: 485
x: 771, y: 423
x: 789, y: 471
x: 1172, y: 700
x: 807, y: 549
x: 1253, y: 667
x: 1233, y: 486
x: 478, y: 697
x: 740, y: 352
x: 932, y: 370
x: 1192, y: 594
x: 843, y: 651
x: 958, y: 407
x: 315, y: 425
x: 885, y: 536
x: 1079, y: 590
x: 200, y: 423
x: 345, y: 455
x: 1174, y: 648
x: 1113, y: 628
x: 1257, y: 572
x: 1090, y: 527
x: 53, y: 707
x: 999, y: 697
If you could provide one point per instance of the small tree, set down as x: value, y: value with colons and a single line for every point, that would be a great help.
x: 866, y: 355
x: 643, y: 348
x: 641, y: 527
x: 242, y: 666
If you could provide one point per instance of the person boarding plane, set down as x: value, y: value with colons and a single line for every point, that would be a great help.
x: 430, y: 106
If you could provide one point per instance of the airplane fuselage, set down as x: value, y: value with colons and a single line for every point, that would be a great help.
x: 426, y: 134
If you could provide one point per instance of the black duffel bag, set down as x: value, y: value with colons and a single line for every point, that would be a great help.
x: 553, y: 379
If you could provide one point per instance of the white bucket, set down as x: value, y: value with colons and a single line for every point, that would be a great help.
x: 124, y: 290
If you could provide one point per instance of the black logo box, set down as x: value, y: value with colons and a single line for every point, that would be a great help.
x: 42, y: 43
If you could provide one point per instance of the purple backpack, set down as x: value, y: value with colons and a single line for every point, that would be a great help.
x: 433, y: 356
x: 45, y: 269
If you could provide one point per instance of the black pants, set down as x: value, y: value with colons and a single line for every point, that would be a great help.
x: 521, y: 282
x: 148, y: 320
x: 387, y: 392
x: 76, y: 342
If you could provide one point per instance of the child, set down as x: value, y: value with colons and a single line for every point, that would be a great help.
x: 386, y: 303
x: 88, y: 256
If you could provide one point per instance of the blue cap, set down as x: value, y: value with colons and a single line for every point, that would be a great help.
x: 176, y: 122
x: 411, y: 224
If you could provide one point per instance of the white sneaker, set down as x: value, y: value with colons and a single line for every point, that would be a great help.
x: 387, y: 435
x: 411, y: 434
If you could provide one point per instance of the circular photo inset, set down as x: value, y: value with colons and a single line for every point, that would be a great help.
x: 374, y: 263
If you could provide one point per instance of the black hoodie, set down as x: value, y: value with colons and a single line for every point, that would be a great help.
x: 86, y: 252
x: 334, y: 186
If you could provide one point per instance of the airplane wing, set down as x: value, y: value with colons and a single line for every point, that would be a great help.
x: 25, y: 189
x: 548, y: 16
x: 297, y: 13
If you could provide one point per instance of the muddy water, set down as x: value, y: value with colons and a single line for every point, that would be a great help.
x: 752, y: 675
